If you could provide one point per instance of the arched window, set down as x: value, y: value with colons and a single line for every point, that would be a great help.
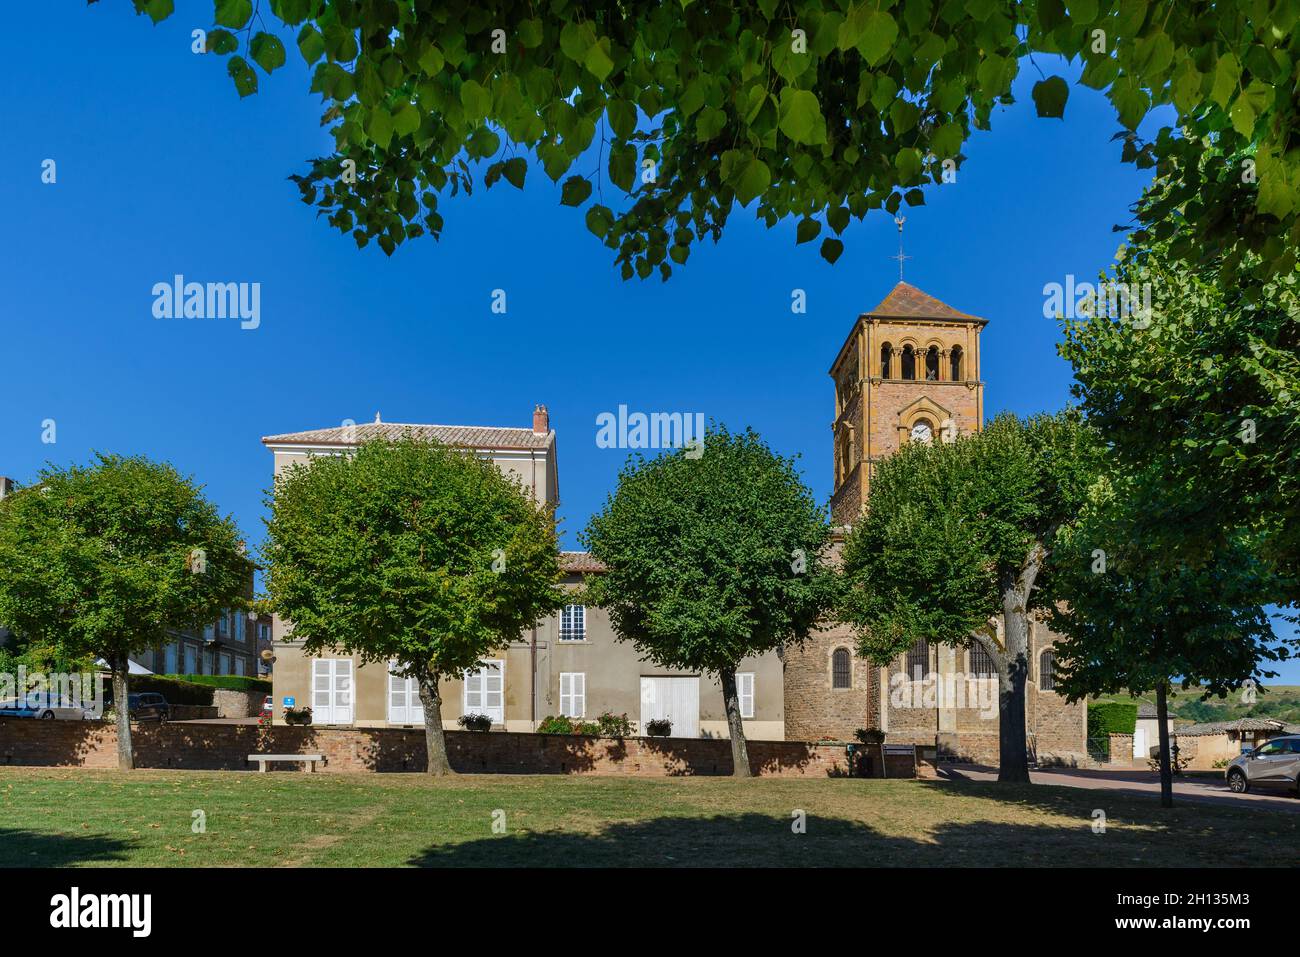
x: 846, y: 454
x: 932, y: 364
x: 1047, y: 670
x: 981, y: 662
x: 909, y: 363
x: 886, y: 354
x: 841, y: 672
x: 918, y: 660
x: 955, y: 358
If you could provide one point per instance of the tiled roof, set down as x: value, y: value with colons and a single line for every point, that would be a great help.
x: 908, y: 302
x: 465, y: 436
x: 575, y: 562
x: 1147, y: 711
x: 1240, y: 724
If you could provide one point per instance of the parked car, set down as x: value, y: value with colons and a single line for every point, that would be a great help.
x: 148, y: 706
x: 44, y: 705
x: 1274, y: 764
x: 268, y: 705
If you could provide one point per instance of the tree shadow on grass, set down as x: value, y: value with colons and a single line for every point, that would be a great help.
x: 20, y: 848
x: 759, y: 840
x: 1058, y: 831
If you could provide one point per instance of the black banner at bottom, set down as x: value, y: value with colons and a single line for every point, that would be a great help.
x: 151, y: 908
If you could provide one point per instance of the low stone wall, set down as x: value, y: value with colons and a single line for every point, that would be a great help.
x: 1121, y: 749
x: 218, y: 747
x: 237, y: 704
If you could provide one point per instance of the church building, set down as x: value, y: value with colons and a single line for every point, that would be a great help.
x: 909, y: 371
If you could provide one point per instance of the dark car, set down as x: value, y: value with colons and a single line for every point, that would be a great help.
x: 148, y: 706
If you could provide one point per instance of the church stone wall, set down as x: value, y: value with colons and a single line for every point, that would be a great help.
x: 814, y: 710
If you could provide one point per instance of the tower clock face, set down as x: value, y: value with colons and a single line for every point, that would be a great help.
x: 921, y: 432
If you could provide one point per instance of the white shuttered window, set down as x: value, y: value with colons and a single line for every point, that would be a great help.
x: 745, y: 691
x: 573, y: 694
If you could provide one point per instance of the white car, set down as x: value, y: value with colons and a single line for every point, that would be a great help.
x: 45, y: 705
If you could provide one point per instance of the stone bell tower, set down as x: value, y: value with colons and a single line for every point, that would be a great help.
x: 908, y: 372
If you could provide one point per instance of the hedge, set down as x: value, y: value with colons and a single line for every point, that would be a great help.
x: 227, y: 682
x: 1111, y: 717
x: 176, y: 692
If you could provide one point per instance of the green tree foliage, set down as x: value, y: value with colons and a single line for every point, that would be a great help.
x: 1130, y: 622
x: 813, y: 109
x: 714, y: 555
x: 956, y: 534
x: 100, y: 560
x: 412, y: 552
x: 1201, y: 396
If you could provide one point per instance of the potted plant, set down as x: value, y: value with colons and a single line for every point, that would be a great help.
x: 475, y: 722
x: 659, y: 727
x: 298, y: 715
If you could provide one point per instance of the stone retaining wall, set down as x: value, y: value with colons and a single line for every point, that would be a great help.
x: 227, y: 746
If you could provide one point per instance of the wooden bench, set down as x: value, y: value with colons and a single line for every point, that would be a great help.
x: 264, y: 759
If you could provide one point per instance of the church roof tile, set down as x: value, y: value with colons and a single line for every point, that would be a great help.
x: 907, y: 302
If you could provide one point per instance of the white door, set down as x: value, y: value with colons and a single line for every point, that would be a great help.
x: 485, y: 691
x: 404, y: 705
x: 677, y: 699
x: 331, y: 691
x: 1140, y: 743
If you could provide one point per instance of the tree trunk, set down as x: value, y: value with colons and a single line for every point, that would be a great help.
x: 435, y: 742
x: 1166, y: 769
x: 1013, y: 668
x: 122, y: 705
x: 730, y: 698
x: 1013, y: 756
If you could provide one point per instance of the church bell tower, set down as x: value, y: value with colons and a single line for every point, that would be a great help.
x: 908, y: 372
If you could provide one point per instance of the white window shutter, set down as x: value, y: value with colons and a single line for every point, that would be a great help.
x: 745, y: 691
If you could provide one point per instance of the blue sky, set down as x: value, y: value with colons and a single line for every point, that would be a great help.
x: 162, y: 169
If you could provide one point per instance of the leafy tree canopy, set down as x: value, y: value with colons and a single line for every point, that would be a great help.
x: 819, y: 110
x: 99, y: 560
x: 1201, y: 395
x: 713, y: 556
x: 1130, y: 622
x: 410, y: 551
x: 950, y: 527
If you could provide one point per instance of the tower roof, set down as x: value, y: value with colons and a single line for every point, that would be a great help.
x: 907, y: 302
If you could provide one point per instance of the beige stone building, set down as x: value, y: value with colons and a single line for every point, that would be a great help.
x: 909, y: 371
x: 569, y: 664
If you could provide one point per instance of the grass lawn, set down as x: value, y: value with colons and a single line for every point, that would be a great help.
x: 103, y: 818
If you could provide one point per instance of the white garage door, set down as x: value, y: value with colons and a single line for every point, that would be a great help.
x: 677, y: 699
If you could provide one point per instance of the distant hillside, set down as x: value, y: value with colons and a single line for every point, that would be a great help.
x: 1279, y: 702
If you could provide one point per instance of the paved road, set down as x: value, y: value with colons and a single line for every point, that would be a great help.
x: 1197, y: 790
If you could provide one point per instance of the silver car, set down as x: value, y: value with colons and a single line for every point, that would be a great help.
x: 1275, y: 763
x: 44, y: 704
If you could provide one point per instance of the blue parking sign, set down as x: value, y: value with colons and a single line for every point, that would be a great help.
x: 289, y: 702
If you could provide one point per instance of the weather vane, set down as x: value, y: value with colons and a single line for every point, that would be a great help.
x: 898, y: 221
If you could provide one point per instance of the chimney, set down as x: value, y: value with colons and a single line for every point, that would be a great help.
x: 541, y: 421
x: 6, y: 486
